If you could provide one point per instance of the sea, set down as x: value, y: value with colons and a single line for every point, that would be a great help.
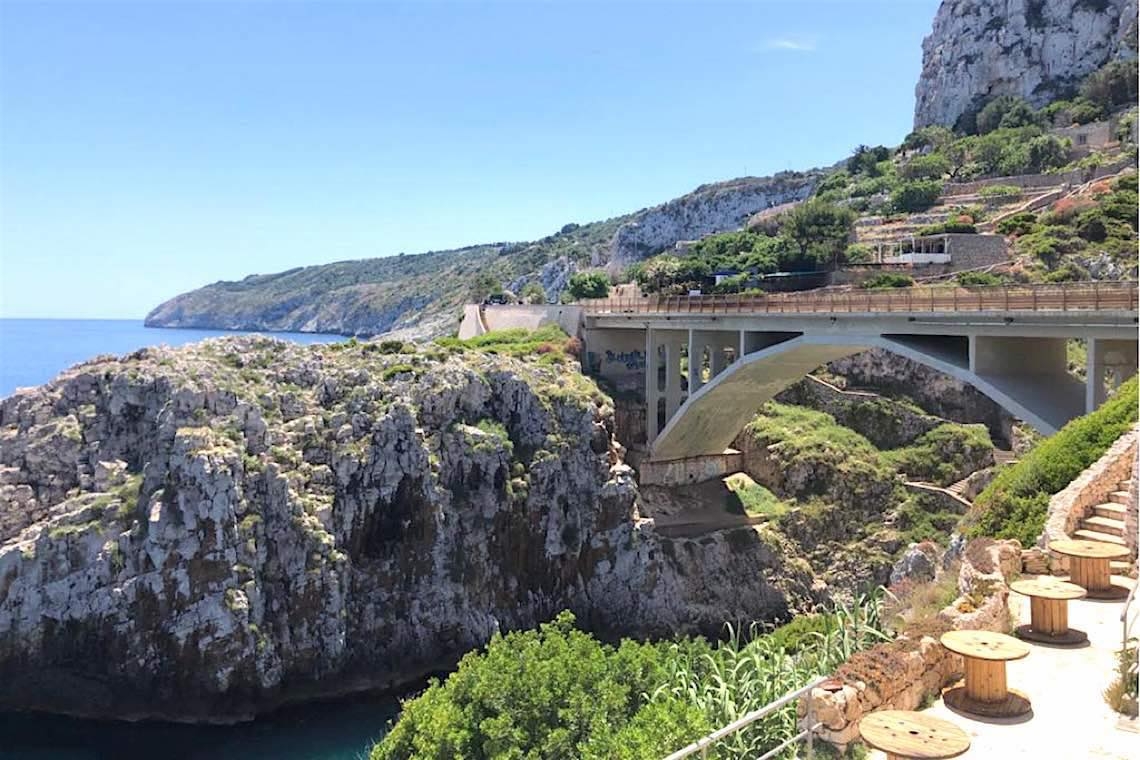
x: 32, y: 352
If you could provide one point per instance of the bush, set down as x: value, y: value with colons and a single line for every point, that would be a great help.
x: 1112, y: 85
x: 916, y: 195
x: 1018, y: 224
x: 930, y: 166
x: 945, y: 454
x: 554, y: 692
x: 533, y: 293
x: 978, y: 279
x: 887, y: 280
x: 1015, y: 503
x: 858, y: 253
x: 999, y: 191
x: 589, y: 285
x: 1006, y: 112
x: 945, y: 227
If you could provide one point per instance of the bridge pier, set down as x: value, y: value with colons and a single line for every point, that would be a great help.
x: 1119, y: 356
x: 663, y: 350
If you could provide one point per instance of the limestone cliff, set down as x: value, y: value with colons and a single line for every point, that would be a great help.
x: 1036, y: 49
x: 205, y: 532
x: 708, y: 209
x: 420, y: 296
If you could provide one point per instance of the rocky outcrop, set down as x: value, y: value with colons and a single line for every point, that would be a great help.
x: 1035, y: 49
x: 708, y: 209
x: 206, y: 532
x: 934, y: 392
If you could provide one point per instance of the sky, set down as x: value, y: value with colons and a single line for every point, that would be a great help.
x: 152, y: 147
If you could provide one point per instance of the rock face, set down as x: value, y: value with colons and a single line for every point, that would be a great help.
x: 1036, y: 49
x: 205, y: 532
x: 421, y: 296
x: 708, y: 209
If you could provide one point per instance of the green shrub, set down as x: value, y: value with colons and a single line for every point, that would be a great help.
x: 999, y: 191
x: 945, y: 454
x: 520, y: 342
x: 1006, y: 112
x: 887, y: 280
x: 396, y: 369
x: 589, y: 285
x: 858, y: 253
x: 930, y: 166
x: 947, y: 227
x: 1018, y: 224
x: 1015, y: 503
x: 916, y: 195
x: 977, y: 279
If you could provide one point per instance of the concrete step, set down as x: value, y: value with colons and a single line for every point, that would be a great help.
x: 1104, y: 525
x: 1095, y: 535
x: 1120, y: 497
x: 1110, y: 509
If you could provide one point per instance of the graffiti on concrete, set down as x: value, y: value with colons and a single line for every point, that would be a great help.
x: 633, y: 360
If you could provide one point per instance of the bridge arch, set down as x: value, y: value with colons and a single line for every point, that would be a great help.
x: 711, y: 418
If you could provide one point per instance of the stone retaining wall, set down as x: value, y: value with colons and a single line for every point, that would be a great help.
x: 901, y: 674
x: 1091, y: 487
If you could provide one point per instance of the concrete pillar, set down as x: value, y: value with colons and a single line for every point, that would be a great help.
x: 652, y: 394
x: 1094, y: 374
x: 717, y: 361
x: 672, y: 376
x: 695, y: 352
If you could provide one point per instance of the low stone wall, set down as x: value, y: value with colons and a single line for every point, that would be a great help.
x: 1091, y: 487
x: 679, y: 472
x: 901, y: 674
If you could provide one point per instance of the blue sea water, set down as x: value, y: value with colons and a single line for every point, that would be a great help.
x: 33, y: 351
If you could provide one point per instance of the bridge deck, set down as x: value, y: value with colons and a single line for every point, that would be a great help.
x: 1095, y: 296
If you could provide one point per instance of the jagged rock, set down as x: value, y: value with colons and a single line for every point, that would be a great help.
x: 918, y: 563
x: 205, y: 532
x: 708, y: 209
x: 1035, y: 49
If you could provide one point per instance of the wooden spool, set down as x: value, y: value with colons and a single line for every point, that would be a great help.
x: 916, y: 736
x: 986, y: 692
x: 1089, y: 566
x: 1049, y: 611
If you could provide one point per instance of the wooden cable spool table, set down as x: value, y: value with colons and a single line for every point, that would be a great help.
x: 1089, y: 566
x: 1049, y: 611
x: 904, y: 734
x: 985, y: 692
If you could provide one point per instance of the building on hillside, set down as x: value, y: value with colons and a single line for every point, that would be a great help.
x: 960, y: 250
x: 1086, y: 138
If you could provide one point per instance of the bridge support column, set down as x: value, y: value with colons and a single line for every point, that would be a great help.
x: 696, y: 352
x: 1119, y: 356
x: 652, y: 392
x: 673, y: 388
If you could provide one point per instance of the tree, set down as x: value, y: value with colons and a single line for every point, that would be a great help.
x: 484, y: 286
x: 1006, y: 111
x: 933, y: 136
x: 916, y: 195
x: 532, y: 292
x: 819, y: 231
x: 589, y: 285
x: 866, y: 160
x: 1112, y: 85
x: 931, y: 166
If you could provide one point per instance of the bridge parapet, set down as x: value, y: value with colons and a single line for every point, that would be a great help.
x: 1123, y: 296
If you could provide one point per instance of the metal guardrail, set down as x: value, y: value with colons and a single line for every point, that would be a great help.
x: 702, y: 745
x: 1082, y: 296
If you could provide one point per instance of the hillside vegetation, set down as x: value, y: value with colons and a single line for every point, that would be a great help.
x: 1015, y: 504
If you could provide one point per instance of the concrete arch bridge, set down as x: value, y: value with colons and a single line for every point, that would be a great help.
x: 1008, y: 342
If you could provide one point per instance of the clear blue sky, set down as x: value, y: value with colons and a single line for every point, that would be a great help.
x: 149, y: 148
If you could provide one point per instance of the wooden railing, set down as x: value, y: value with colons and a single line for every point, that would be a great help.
x: 1076, y: 296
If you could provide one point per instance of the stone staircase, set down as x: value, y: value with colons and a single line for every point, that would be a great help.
x: 1106, y: 523
x: 1001, y: 458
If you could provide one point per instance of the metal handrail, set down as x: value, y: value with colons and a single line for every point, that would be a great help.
x: 702, y: 745
x: 1115, y: 295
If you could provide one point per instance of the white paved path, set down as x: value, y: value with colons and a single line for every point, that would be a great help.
x: 1070, y: 718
